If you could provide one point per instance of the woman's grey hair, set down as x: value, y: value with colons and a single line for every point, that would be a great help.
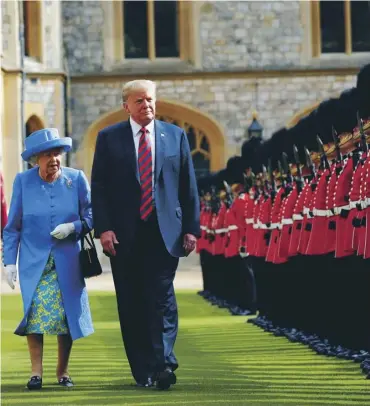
x: 33, y: 161
x: 140, y: 84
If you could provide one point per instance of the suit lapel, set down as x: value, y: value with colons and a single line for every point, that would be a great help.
x: 129, y: 148
x: 160, y: 136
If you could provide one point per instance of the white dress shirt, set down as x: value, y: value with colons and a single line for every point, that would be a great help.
x: 137, y: 134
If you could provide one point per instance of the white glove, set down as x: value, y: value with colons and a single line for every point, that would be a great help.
x: 63, y: 230
x: 11, y: 274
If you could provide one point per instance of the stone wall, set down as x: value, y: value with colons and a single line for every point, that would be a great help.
x: 229, y: 101
x: 83, y: 35
x: 45, y: 93
x: 52, y: 34
x: 250, y: 34
x: 6, y: 29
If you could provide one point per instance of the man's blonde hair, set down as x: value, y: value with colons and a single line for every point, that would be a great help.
x: 140, y: 84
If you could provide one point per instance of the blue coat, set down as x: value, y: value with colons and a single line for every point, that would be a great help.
x: 36, y: 208
x: 115, y: 185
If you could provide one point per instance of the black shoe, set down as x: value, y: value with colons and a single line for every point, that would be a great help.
x: 145, y: 384
x: 65, y: 381
x: 34, y: 383
x: 165, y: 379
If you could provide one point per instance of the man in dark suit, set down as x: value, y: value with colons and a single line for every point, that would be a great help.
x: 146, y: 213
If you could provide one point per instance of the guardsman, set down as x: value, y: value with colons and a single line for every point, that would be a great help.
x: 276, y: 216
x: 318, y: 211
x: 299, y: 208
x: 235, y: 222
x: 262, y: 227
x: 342, y: 206
x: 288, y: 209
x: 304, y: 235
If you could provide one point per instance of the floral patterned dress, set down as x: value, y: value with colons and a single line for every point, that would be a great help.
x: 47, y: 315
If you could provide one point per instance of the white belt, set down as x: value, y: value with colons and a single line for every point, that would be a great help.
x: 203, y: 228
x: 353, y: 205
x: 255, y: 226
x: 274, y: 225
x: 210, y: 231
x: 366, y: 202
x: 321, y: 213
x: 306, y: 210
x: 249, y: 221
x: 263, y: 227
x: 286, y: 221
x: 297, y: 217
x: 221, y: 230
x: 337, y: 210
x: 232, y: 227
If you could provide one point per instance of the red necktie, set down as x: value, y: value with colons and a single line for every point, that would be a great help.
x: 145, y: 171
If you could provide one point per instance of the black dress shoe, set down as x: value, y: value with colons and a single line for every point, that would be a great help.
x: 165, y: 379
x: 65, y: 381
x: 145, y: 384
x: 34, y: 383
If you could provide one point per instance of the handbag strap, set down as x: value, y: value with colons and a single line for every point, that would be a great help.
x: 86, y: 236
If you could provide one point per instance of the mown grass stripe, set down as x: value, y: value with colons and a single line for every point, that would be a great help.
x: 223, y: 360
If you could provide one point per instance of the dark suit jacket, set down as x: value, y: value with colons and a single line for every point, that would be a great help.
x: 116, y: 188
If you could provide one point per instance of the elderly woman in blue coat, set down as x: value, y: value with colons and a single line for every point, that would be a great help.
x: 49, y: 210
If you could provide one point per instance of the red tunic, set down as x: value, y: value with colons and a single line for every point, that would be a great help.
x: 248, y: 216
x: 331, y: 232
x: 263, y: 228
x: 366, y: 186
x: 307, y: 218
x: 253, y: 233
x: 276, y: 215
x: 287, y: 222
x: 361, y: 215
x: 317, y: 237
x: 239, y: 208
x: 220, y: 231
x: 298, y: 221
x: 342, y: 210
x: 355, y: 195
x: 232, y: 242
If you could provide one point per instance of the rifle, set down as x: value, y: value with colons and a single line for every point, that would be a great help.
x: 299, y: 178
x: 324, y: 158
x: 337, y: 144
x: 364, y: 145
x: 272, y: 180
x: 229, y: 195
x: 286, y: 168
x: 309, y: 163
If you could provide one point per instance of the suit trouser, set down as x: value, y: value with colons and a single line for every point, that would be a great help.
x: 143, y: 278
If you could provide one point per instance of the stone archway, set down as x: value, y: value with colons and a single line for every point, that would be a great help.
x: 301, y: 113
x: 34, y: 123
x: 205, y: 135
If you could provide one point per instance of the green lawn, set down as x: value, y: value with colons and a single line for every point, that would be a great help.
x: 222, y: 359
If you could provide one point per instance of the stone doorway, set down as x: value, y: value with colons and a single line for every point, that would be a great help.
x: 205, y: 135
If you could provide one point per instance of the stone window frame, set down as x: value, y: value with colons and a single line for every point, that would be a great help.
x: 316, y: 33
x: 114, y: 36
x: 34, y: 35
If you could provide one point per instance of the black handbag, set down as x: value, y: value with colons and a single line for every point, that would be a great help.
x: 89, y: 261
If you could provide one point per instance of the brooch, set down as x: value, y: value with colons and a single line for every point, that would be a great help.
x: 69, y: 182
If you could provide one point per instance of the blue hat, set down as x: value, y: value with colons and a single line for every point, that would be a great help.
x: 43, y: 140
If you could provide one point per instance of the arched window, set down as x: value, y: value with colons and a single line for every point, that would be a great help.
x: 198, y: 143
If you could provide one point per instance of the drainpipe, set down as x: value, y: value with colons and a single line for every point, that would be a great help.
x: 66, y: 96
x: 23, y: 73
